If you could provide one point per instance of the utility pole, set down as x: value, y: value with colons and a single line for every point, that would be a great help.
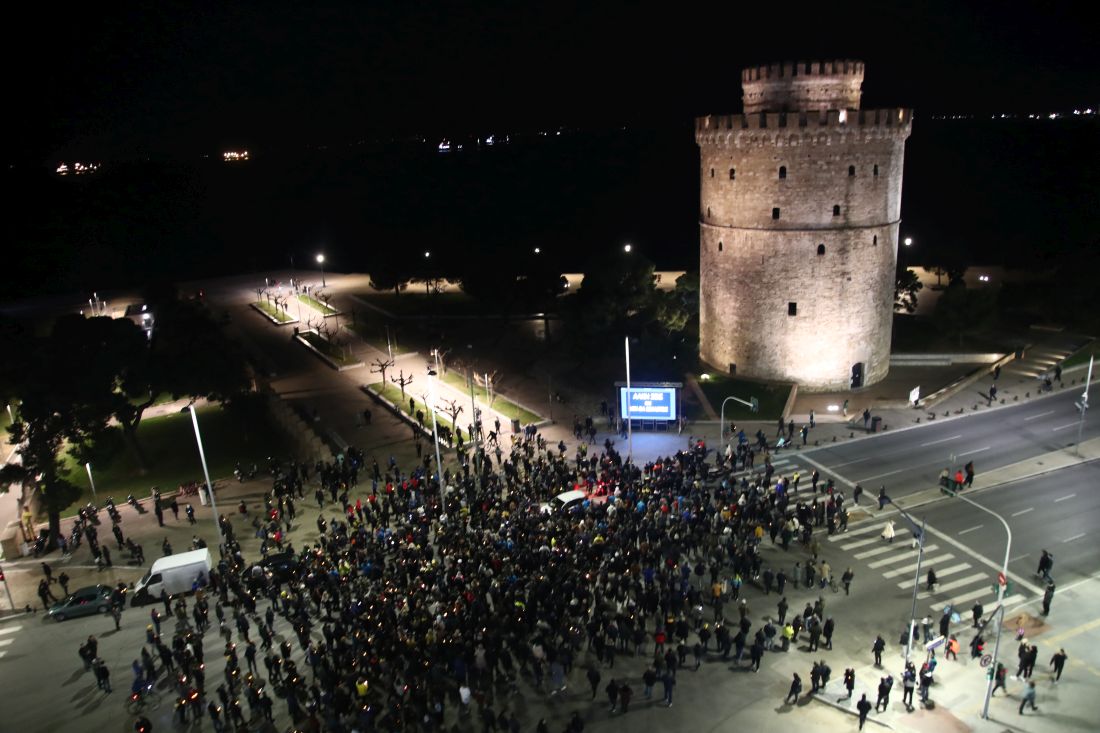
x: 919, y: 531
x: 629, y: 419
x: 1083, y: 406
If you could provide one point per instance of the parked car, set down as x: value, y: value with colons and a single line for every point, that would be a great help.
x: 85, y: 601
x: 564, y: 503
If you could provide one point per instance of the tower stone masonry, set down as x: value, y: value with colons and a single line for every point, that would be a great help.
x: 798, y: 228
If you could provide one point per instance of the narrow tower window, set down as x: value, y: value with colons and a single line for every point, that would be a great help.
x: 874, y: 242
x: 851, y: 171
x: 836, y: 210
x: 792, y: 309
x: 775, y: 213
x: 820, y: 249
x: 876, y: 169
x: 733, y: 173
x: 708, y: 212
x: 712, y: 173
x: 782, y: 172
x: 719, y: 246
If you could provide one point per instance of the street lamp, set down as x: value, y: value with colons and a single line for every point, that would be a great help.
x: 629, y: 418
x: 1000, y: 593
x: 722, y: 417
x: 205, y: 470
x: 628, y: 247
x: 919, y: 531
x: 435, y: 428
x: 908, y: 241
x: 89, y: 467
x: 321, y: 262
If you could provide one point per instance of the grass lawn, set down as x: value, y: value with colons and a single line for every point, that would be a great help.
x: 335, y: 353
x: 393, y: 393
x: 772, y: 397
x: 501, y: 404
x: 279, y: 315
x: 173, y: 457
x: 375, y: 335
x: 1075, y: 359
x: 314, y: 303
x: 413, y: 303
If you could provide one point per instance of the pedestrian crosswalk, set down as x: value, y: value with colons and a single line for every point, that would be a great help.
x: 6, y: 638
x: 959, y: 583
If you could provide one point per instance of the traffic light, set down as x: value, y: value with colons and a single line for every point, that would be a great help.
x: 755, y: 404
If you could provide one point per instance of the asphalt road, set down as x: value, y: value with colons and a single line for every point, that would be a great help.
x: 910, y: 460
x: 1058, y: 512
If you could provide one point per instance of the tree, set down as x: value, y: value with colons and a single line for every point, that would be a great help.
x: 66, y: 384
x: 961, y: 310
x: 379, y: 366
x: 402, y: 381
x: 389, y: 276
x: 906, y: 288
x: 453, y: 409
x: 189, y: 356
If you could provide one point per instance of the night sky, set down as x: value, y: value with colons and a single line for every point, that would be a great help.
x: 127, y: 78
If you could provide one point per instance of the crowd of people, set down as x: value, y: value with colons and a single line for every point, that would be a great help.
x: 420, y: 605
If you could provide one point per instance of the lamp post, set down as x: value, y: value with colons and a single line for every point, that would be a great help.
x: 722, y: 416
x: 205, y: 471
x: 88, y: 466
x: 435, y: 428
x: 629, y: 419
x: 1000, y: 591
x: 1083, y: 406
x: 920, y: 534
x: 321, y: 262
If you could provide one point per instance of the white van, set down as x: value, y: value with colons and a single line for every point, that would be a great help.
x: 173, y: 574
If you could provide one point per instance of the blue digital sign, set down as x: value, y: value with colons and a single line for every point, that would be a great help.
x: 647, y: 403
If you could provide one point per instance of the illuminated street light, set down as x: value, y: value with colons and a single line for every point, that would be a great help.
x: 908, y: 241
x: 206, y: 471
x: 628, y: 247
x: 538, y: 250
x: 321, y: 262
x: 427, y: 254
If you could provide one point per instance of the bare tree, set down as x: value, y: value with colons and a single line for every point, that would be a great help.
x: 379, y: 366
x: 489, y: 381
x: 453, y: 409
x: 403, y: 381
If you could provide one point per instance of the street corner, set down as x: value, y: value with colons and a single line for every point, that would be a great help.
x: 1026, y: 625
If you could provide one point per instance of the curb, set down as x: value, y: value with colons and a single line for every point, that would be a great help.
x: 270, y: 317
x: 849, y: 710
x: 324, y: 357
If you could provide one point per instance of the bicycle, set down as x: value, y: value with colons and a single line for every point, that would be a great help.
x: 146, y: 698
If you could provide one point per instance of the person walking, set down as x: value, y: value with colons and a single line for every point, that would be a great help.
x: 1046, y: 564
x: 846, y: 579
x: 668, y: 681
x: 883, y: 499
x: 796, y: 688
x: 593, y: 675
x: 888, y: 531
x: 999, y: 679
x: 1048, y: 596
x: 930, y: 586
x: 884, y: 686
x: 878, y: 648
x: 1029, y: 697
x: 1058, y: 661
x: 864, y: 707
x: 977, y: 612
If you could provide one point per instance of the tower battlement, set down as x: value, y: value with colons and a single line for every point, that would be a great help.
x: 816, y: 120
x: 802, y: 85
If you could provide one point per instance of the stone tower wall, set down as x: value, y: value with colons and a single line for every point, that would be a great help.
x: 752, y: 265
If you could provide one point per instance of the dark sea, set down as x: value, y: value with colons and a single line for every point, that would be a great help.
x: 1011, y: 192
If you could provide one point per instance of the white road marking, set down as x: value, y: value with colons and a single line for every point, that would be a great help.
x: 893, y: 560
x: 942, y: 440
x: 849, y: 463
x: 859, y: 543
x: 952, y: 570
x: 1063, y: 498
x: 961, y: 583
x: 1074, y: 537
x: 977, y: 450
x: 825, y: 469
x: 971, y: 529
x: 3, y: 654
x: 887, y: 547
x: 1063, y: 427
x: 1041, y: 414
x: 1022, y: 511
x: 10, y: 629
x: 965, y: 598
x: 995, y: 566
x: 888, y: 473
x: 867, y: 527
x: 910, y: 569
x: 5, y: 642
x: 1019, y: 557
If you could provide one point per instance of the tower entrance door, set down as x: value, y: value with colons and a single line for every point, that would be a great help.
x: 857, y: 375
